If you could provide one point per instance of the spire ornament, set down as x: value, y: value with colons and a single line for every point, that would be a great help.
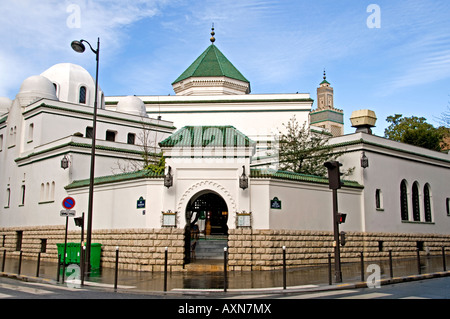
x: 212, y: 34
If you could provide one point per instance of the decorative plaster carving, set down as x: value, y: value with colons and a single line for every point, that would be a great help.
x: 207, y: 185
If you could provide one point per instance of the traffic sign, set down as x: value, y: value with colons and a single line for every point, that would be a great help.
x: 67, y: 213
x: 68, y: 203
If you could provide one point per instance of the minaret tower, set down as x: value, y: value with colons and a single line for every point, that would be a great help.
x: 326, y: 115
x: 325, y: 94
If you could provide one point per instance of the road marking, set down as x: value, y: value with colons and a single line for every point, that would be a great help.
x: 367, y: 296
x: 250, y: 297
x: 77, y: 283
x: 321, y: 294
x: 27, y: 290
x: 3, y: 296
x: 56, y: 287
x: 414, y: 297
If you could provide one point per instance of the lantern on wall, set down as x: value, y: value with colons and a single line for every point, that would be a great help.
x: 168, y: 178
x: 364, y: 160
x: 243, y: 180
x: 65, y: 162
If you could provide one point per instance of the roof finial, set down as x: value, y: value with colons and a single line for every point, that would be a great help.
x: 212, y: 34
x: 324, y: 74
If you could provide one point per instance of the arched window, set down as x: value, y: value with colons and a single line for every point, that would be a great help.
x: 22, y: 197
x: 8, y: 197
x: 404, y: 200
x: 82, y: 99
x: 52, y: 191
x: 55, y: 85
x: 30, y: 133
x: 379, y: 199
x: 416, y: 202
x: 427, y: 202
x: 42, y: 196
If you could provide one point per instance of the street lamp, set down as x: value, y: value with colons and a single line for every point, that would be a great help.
x: 79, y: 47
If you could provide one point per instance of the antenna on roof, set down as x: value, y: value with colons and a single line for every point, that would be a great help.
x: 212, y: 34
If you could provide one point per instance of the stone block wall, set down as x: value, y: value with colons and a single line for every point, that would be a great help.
x: 139, y: 249
x: 262, y: 249
x: 143, y: 249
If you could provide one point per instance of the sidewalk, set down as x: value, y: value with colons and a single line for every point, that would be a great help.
x: 239, y: 283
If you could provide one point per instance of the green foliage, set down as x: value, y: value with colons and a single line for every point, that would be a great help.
x: 159, y: 167
x: 303, y: 151
x: 413, y: 130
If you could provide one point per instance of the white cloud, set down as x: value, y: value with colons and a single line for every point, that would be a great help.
x: 37, y: 34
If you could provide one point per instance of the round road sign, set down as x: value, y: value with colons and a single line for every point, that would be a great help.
x: 68, y: 203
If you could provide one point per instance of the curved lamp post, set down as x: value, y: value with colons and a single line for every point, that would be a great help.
x: 79, y: 47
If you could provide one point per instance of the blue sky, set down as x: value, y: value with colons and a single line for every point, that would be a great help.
x: 280, y: 46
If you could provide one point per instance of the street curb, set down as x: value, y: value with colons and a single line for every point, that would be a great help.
x: 28, y: 278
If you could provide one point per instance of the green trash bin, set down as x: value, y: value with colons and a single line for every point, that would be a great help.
x: 70, y: 252
x: 96, y: 251
x: 73, y: 254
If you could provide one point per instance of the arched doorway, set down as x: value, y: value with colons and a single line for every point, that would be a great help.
x: 206, y: 224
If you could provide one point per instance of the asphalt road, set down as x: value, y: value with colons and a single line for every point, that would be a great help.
x: 14, y: 292
x: 437, y: 288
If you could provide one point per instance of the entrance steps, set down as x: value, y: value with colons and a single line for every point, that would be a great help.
x: 210, y: 249
x: 208, y: 255
x: 205, y: 265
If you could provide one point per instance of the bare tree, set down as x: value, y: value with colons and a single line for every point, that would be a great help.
x: 151, y: 156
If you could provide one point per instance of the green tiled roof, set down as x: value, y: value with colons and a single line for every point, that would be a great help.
x: 211, y: 63
x: 285, y: 175
x: 114, y: 178
x: 201, y: 136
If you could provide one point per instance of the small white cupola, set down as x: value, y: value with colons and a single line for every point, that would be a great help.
x: 34, y: 88
x: 132, y: 105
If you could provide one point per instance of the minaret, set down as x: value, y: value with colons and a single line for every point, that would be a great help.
x: 325, y: 94
x: 326, y: 115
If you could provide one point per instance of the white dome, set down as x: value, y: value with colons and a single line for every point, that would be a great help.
x: 132, y: 105
x: 5, y: 105
x: 36, y: 87
x: 69, y: 78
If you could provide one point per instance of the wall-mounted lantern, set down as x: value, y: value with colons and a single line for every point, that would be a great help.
x: 65, y: 162
x: 168, y: 178
x: 243, y: 180
x: 364, y: 160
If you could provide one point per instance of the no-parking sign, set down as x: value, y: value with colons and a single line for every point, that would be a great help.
x: 68, y: 203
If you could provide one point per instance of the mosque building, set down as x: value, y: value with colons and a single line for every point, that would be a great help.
x: 217, y: 188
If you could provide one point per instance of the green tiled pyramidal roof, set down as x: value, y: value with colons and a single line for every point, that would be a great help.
x: 202, y: 136
x: 211, y: 63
